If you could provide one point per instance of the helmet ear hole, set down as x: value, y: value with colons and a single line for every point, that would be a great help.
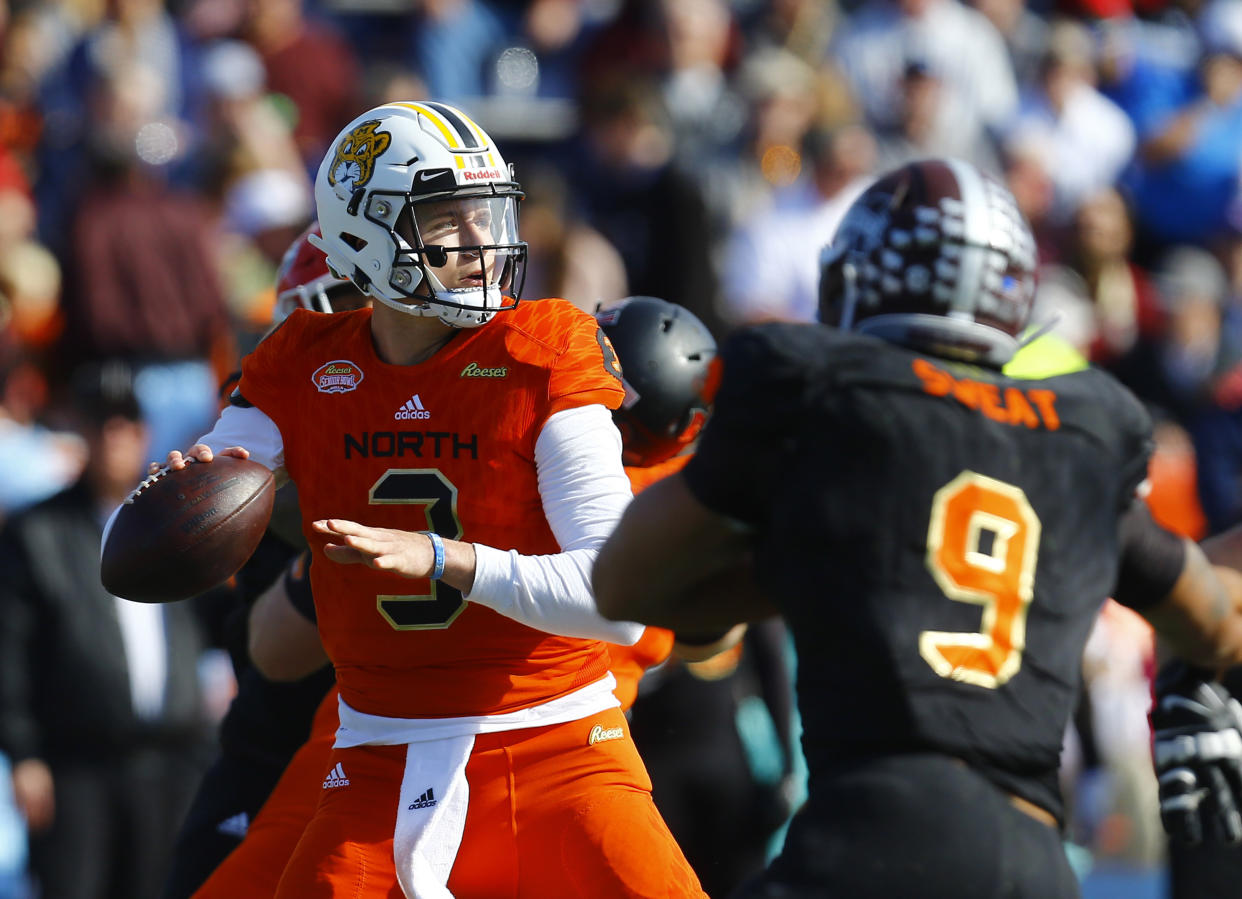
x: 356, y: 243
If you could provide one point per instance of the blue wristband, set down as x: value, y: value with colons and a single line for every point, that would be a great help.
x: 437, y: 546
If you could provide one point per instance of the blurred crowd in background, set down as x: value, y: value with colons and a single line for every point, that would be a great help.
x: 156, y: 159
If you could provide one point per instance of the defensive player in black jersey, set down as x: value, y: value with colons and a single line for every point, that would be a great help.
x: 939, y: 538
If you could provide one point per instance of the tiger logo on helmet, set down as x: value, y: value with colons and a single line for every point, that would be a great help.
x: 419, y: 210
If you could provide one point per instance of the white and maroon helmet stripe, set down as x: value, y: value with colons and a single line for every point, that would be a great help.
x: 976, y: 219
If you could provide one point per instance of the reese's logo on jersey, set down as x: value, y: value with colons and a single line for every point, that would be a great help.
x: 474, y: 370
x: 599, y: 734
x: 353, y: 163
x: 337, y: 376
x: 1014, y: 406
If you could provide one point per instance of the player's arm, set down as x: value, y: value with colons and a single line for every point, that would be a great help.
x: 284, y: 639
x: 675, y: 563
x: 583, y: 489
x: 1195, y: 605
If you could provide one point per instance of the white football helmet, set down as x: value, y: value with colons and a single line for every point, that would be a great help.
x: 413, y: 193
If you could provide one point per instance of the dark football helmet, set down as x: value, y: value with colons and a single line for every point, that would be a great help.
x: 934, y: 256
x: 666, y: 358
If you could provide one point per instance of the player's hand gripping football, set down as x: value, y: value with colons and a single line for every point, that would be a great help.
x: 408, y: 553
x: 199, y: 452
x: 1198, y: 756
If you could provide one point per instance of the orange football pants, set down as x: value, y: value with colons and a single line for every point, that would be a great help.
x: 253, y: 869
x: 550, y: 815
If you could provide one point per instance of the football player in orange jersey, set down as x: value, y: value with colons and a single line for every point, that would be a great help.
x: 481, y: 750
x: 670, y: 353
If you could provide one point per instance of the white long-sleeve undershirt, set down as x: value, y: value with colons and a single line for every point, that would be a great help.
x: 583, y: 488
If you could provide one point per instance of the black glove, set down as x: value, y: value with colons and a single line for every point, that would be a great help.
x: 1198, y: 754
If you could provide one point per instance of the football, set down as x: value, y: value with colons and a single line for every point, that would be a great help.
x: 180, y: 533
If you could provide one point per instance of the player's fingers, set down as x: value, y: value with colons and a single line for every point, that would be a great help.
x: 345, y: 555
x: 153, y: 467
x: 365, y: 544
x: 339, y: 526
x: 199, y: 452
x: 237, y: 452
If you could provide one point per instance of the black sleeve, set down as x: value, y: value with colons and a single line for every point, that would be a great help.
x: 298, y: 587
x: 1152, y: 559
x: 760, y: 387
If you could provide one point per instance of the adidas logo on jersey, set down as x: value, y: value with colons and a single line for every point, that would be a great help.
x: 235, y: 826
x: 412, y: 408
x: 336, y: 778
x: 427, y: 800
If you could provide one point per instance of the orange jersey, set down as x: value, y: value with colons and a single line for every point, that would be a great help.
x: 446, y: 445
x: 656, y: 643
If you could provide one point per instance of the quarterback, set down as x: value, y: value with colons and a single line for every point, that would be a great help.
x: 457, y: 469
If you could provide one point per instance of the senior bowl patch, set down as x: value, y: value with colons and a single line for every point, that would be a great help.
x: 337, y: 376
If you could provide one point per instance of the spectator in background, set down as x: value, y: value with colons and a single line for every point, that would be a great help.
x: 1027, y: 177
x: 1192, y: 355
x: 38, y: 461
x: 958, y: 44
x: 30, y: 276
x: 801, y: 27
x: 1128, y: 314
x: 453, y: 42
x: 1189, y: 137
x: 264, y: 211
x: 654, y: 213
x: 927, y: 124
x: 771, y: 264
x: 132, y: 36
x: 566, y: 258
x: 1024, y: 31
x: 142, y: 283
x: 242, y: 126
x: 704, y: 109
x: 786, y: 98
x: 1086, y: 138
x: 310, y: 63
x: 99, y: 696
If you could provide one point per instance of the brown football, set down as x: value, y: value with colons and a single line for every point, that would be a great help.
x: 181, y: 533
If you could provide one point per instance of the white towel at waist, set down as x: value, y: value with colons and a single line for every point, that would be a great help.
x: 360, y: 729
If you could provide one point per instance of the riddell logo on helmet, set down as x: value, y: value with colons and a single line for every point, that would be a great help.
x: 481, y: 175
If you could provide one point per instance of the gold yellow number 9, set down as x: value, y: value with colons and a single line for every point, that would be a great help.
x: 982, y: 547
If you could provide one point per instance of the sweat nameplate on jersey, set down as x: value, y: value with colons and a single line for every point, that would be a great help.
x: 1032, y: 408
